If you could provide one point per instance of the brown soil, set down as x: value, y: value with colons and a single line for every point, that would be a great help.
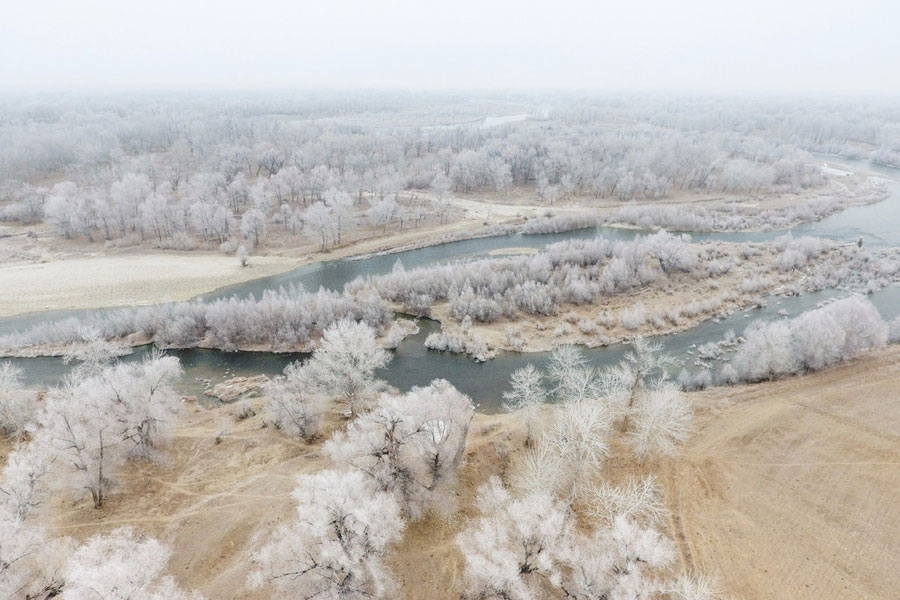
x: 787, y: 490
x: 792, y: 489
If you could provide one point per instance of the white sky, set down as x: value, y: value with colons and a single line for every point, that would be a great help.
x: 680, y: 45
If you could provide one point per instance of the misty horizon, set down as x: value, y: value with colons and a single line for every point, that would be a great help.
x: 700, y: 48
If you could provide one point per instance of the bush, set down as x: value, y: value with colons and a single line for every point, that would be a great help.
x: 814, y: 340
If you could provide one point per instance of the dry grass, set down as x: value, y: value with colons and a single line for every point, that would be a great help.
x: 792, y: 489
x: 787, y: 490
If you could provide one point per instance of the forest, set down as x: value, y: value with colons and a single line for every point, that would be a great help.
x: 652, y: 268
x: 185, y: 172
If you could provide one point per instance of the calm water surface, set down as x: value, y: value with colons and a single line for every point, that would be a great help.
x: 413, y: 364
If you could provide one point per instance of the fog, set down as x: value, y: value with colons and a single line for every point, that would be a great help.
x: 697, y: 45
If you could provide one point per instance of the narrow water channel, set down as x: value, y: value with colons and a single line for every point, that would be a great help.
x: 413, y: 364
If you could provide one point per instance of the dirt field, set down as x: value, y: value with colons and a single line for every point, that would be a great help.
x: 792, y: 489
x: 787, y: 490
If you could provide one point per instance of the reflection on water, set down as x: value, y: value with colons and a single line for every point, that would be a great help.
x: 413, y: 364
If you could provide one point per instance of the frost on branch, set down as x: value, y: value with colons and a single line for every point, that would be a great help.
x: 122, y: 566
x: 334, y: 547
x: 290, y: 405
x: 345, y: 362
x: 528, y: 548
x: 525, y: 398
x: 410, y: 445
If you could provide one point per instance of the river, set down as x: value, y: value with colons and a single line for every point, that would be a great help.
x: 413, y: 364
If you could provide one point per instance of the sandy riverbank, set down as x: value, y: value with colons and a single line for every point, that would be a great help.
x: 52, y: 274
x: 124, y: 280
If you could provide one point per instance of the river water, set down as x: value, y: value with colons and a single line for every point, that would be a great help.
x: 413, y: 364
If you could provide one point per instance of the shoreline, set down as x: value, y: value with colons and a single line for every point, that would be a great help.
x: 118, y: 288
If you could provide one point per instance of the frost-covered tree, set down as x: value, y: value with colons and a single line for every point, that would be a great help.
x: 122, y: 566
x: 334, y: 547
x: 24, y: 481
x: 340, y: 206
x: 17, y: 408
x: 29, y: 560
x: 515, y: 549
x: 61, y: 207
x: 638, y: 499
x: 528, y: 547
x: 345, y: 362
x: 440, y: 187
x: 572, y: 379
x: 894, y: 331
x: 673, y: 252
x: 540, y: 469
x: 22, y: 566
x: 79, y: 425
x: 526, y: 396
x: 816, y: 339
x: 382, y: 212
x: 579, y: 434
x: 766, y: 352
x: 290, y: 405
x: 317, y: 221
x: 145, y: 401
x: 660, y: 422
x: 411, y: 445
x: 653, y: 416
x: 642, y: 368
x: 95, y: 421
x: 253, y: 225
x: 93, y: 351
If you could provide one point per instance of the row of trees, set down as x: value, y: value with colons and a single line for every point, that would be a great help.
x: 732, y: 217
x: 572, y: 272
x: 575, y: 272
x: 283, y: 319
x: 814, y: 340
